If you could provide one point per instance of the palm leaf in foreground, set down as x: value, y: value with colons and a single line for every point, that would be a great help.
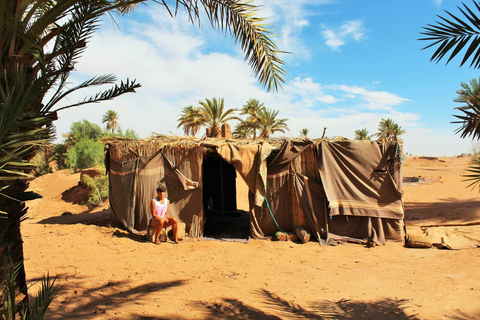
x: 474, y: 177
x: 469, y: 122
x: 238, y: 19
x: 454, y: 34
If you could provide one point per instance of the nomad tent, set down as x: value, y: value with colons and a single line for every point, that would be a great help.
x: 333, y: 188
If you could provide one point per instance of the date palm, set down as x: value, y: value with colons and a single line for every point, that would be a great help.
x: 213, y: 114
x: 244, y: 129
x: 269, y: 124
x: 362, y: 134
x: 389, y: 130
x: 252, y: 109
x: 304, y: 132
x: 40, y: 42
x: 111, y: 118
x: 190, y: 120
x: 451, y: 35
x: 469, y: 120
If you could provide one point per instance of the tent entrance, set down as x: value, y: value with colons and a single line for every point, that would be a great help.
x: 222, y: 219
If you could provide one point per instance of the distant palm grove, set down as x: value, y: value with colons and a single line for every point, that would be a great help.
x: 388, y: 130
x: 260, y: 121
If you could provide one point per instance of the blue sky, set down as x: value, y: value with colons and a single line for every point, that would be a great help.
x: 351, y: 63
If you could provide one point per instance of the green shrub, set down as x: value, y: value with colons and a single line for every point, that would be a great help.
x: 82, y: 130
x: 98, y: 189
x: 85, y: 154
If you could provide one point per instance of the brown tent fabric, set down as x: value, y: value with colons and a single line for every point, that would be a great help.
x: 131, y: 203
x: 276, y: 213
x: 250, y: 161
x: 122, y: 176
x: 378, y: 230
x: 312, y: 199
x: 357, y: 181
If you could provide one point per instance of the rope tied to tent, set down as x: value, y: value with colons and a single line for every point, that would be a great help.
x: 273, y: 217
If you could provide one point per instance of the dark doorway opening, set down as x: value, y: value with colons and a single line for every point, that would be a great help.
x: 222, y: 219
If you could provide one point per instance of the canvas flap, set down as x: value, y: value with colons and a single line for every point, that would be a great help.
x: 357, y: 179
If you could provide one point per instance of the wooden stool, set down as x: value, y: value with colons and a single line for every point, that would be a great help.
x: 151, y: 234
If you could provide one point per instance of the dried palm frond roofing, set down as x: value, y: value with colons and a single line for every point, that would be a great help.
x: 123, y: 149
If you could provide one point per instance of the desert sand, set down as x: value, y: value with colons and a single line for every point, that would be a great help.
x: 103, y: 272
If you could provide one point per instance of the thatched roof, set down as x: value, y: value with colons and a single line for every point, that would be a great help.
x: 124, y: 149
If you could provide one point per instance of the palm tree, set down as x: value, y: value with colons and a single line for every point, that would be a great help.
x: 40, y: 42
x: 212, y: 115
x: 252, y: 109
x: 304, y: 132
x: 451, y: 35
x: 362, y: 134
x: 110, y: 117
x: 469, y: 122
x: 190, y: 119
x: 389, y: 130
x: 269, y: 124
x: 243, y: 130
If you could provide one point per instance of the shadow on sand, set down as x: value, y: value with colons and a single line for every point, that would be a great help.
x: 74, y: 303
x: 278, y: 308
x: 448, y: 209
x: 103, y: 301
x: 101, y: 218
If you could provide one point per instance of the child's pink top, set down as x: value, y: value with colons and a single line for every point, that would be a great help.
x: 161, y: 209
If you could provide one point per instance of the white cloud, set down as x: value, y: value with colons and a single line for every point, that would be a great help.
x: 290, y: 18
x: 375, y: 100
x: 438, y: 3
x: 172, y: 80
x: 348, y: 30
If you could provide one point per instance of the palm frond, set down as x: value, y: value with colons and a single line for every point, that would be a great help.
x: 95, y: 81
x: 469, y: 122
x: 474, y: 177
x: 238, y: 19
x: 114, y: 92
x: 452, y: 34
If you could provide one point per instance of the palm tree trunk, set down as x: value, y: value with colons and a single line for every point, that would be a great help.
x: 11, y: 244
x: 216, y: 132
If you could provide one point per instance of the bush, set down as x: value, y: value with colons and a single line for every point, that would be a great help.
x: 86, y: 154
x: 82, y: 130
x: 129, y: 133
x: 98, y: 189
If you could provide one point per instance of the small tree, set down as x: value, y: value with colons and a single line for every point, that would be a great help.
x: 243, y: 130
x: 190, y: 119
x: 269, y: 124
x: 111, y: 118
x: 252, y: 109
x: 362, y: 134
x: 389, y: 130
x: 81, y: 130
x: 86, y: 154
x: 213, y: 114
x: 304, y: 132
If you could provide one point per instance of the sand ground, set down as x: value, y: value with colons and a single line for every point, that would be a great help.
x: 105, y: 273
